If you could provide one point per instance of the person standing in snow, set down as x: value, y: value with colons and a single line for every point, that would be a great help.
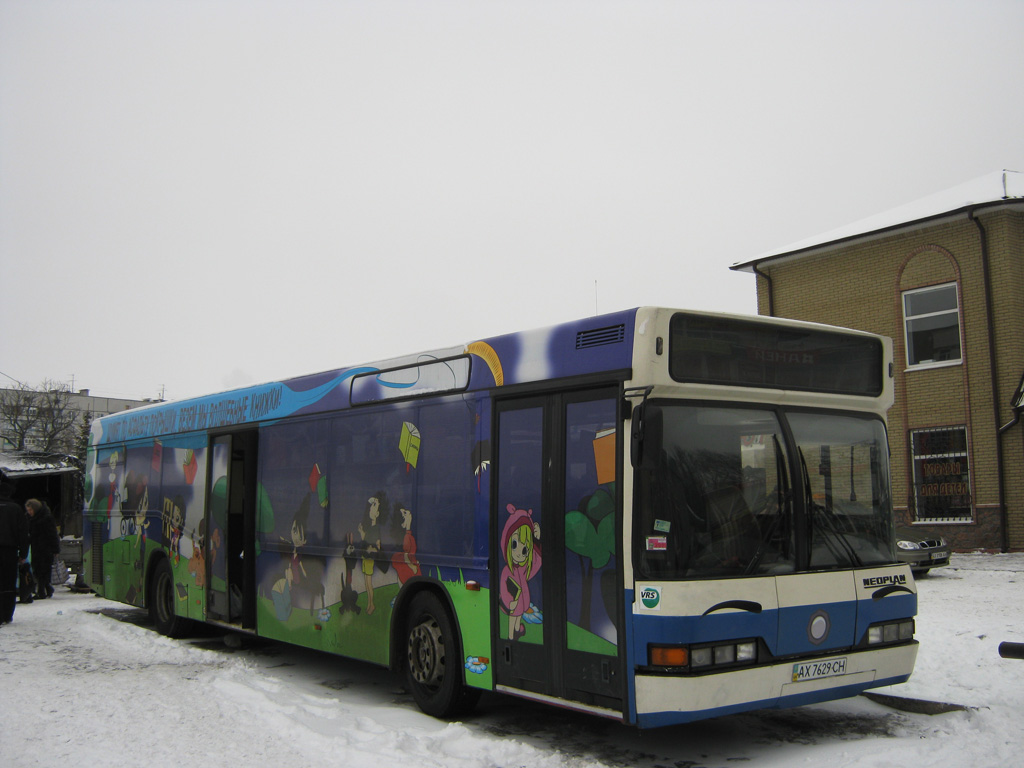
x: 13, y: 549
x: 45, y: 545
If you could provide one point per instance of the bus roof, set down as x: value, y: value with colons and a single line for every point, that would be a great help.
x: 591, y: 345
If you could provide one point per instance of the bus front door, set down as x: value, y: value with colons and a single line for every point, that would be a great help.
x: 557, y: 581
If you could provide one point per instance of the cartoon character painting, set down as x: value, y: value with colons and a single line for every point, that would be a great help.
x: 176, y: 520
x: 349, y: 596
x: 113, y: 496
x: 369, y: 532
x: 301, y: 575
x: 296, y: 573
x: 197, y: 563
x: 520, y: 545
x: 137, y: 497
x: 405, y: 562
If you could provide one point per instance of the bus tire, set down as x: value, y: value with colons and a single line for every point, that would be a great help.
x: 433, y: 670
x: 161, y: 602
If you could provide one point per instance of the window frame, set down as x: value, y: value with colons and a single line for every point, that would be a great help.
x: 918, y: 482
x: 907, y: 318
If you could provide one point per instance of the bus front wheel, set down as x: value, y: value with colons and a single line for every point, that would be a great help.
x: 162, y: 601
x: 432, y: 668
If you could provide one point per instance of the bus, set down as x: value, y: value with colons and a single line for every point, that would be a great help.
x: 654, y: 515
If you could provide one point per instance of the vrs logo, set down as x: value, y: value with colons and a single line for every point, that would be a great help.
x: 650, y: 597
x: 884, y: 581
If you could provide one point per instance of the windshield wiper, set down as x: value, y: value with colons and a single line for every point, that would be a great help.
x: 825, y: 520
x: 784, y: 500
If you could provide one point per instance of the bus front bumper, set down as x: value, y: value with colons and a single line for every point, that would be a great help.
x: 669, y: 699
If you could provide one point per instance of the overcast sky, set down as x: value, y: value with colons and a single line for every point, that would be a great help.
x: 201, y: 195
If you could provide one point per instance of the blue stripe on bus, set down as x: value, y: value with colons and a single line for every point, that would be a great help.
x: 785, y: 631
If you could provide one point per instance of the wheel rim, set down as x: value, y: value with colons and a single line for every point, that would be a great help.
x: 426, y: 653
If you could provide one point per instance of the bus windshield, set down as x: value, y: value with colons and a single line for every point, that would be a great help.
x: 734, y: 491
x: 844, y: 464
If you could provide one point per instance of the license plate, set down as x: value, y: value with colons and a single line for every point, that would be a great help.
x: 939, y: 555
x: 815, y: 670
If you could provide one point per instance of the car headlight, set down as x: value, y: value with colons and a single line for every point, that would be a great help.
x: 904, y: 544
x: 942, y: 541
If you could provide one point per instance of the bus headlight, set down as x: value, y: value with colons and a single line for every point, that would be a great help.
x: 891, y: 632
x: 746, y: 652
x: 701, y: 657
x: 706, y: 657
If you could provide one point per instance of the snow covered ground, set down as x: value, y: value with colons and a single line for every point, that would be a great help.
x: 84, y: 682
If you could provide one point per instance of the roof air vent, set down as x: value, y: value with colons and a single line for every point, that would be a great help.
x: 600, y: 337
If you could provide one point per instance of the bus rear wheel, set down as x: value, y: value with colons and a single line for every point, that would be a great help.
x: 432, y: 668
x: 162, y: 600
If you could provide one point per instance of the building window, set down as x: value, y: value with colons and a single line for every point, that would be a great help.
x: 931, y: 321
x: 942, y: 480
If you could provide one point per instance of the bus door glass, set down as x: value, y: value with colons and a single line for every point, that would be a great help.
x: 557, y: 574
x: 592, y: 586
x: 520, y: 528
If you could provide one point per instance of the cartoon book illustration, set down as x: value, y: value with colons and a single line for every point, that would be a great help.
x: 604, y: 456
x: 190, y: 465
x: 513, y: 588
x: 318, y: 485
x: 409, y: 444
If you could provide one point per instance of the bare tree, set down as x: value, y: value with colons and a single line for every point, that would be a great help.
x: 19, y: 414
x: 57, y: 419
x: 40, y: 419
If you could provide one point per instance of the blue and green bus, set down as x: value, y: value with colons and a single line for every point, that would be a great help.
x: 654, y: 515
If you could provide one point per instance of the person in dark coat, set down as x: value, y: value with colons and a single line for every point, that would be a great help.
x: 13, y: 548
x: 45, y: 541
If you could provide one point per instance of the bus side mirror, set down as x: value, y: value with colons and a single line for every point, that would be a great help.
x: 645, y: 436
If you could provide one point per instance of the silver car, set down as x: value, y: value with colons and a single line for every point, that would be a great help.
x: 920, y: 550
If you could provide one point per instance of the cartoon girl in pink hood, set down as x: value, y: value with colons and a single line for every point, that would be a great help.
x: 520, y: 543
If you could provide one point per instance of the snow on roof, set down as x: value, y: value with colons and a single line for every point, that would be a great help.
x: 989, y: 189
x: 25, y: 464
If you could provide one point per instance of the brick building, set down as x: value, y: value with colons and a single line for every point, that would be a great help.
x: 944, y: 278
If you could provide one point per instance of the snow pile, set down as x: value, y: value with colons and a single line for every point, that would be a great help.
x: 84, y: 683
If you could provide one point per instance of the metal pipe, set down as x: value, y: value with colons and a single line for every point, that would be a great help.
x: 992, y: 369
x: 771, y: 297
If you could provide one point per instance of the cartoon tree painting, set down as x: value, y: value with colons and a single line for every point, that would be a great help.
x: 590, y: 533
